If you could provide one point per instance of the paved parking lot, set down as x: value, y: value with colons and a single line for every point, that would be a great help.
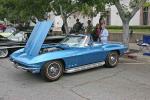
x: 130, y: 80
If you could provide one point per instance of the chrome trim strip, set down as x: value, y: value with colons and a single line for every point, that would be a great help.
x: 84, y: 67
x: 25, y: 68
x: 6, y: 47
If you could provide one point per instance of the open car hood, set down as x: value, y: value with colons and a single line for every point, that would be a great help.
x: 37, y: 38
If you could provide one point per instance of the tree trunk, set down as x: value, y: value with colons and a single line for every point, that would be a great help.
x: 66, y: 25
x: 125, y: 17
x: 64, y: 17
x: 126, y: 33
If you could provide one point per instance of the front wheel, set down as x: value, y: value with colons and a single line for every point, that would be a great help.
x: 52, y: 70
x: 3, y: 53
x: 112, y: 59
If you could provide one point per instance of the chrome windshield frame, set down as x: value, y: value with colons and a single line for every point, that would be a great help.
x: 82, y: 43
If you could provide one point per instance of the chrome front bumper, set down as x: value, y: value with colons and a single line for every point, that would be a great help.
x: 30, y: 69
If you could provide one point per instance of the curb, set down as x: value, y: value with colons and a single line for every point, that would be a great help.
x: 136, y: 55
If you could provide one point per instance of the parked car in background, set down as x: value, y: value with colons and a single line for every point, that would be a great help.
x: 2, y: 27
x: 75, y: 53
x: 11, y: 43
x: 8, y: 31
x: 12, y: 40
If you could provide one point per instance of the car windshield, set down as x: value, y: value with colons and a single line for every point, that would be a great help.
x: 74, y: 41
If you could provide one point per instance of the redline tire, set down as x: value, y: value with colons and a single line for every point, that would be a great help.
x: 3, y: 53
x: 52, y: 70
x: 112, y: 60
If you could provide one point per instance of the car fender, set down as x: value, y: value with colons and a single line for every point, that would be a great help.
x: 115, y: 47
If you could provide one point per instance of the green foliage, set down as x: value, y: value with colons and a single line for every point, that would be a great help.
x: 86, y: 7
x: 68, y: 7
x: 22, y: 10
x: 147, y: 4
x: 5, y: 7
x: 131, y: 27
x: 93, y: 7
x: 134, y: 3
x: 33, y: 8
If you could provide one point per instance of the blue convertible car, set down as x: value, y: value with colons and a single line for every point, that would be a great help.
x: 74, y: 53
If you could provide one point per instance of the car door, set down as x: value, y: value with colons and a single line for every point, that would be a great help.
x: 90, y: 54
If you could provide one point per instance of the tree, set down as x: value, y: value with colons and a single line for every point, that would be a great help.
x: 33, y: 8
x: 92, y: 7
x: 6, y: 8
x: 68, y: 7
x: 64, y: 8
x: 126, y: 13
x: 22, y: 10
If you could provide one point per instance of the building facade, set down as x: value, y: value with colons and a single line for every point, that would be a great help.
x: 142, y: 17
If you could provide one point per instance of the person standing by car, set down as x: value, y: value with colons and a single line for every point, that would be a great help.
x: 89, y: 28
x: 104, y: 32
x: 63, y: 29
x: 96, y: 32
x: 77, y: 27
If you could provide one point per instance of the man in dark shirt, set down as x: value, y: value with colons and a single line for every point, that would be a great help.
x: 89, y: 28
x: 77, y: 27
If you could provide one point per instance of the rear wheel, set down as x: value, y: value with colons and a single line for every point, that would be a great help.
x: 52, y: 70
x: 112, y: 60
x: 3, y: 53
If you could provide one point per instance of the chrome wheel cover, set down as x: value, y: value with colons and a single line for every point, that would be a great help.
x: 113, y: 59
x: 3, y: 53
x: 54, y: 70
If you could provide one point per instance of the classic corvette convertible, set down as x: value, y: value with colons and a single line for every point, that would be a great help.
x: 74, y: 53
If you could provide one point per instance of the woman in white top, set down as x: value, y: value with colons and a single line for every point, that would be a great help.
x: 104, y: 33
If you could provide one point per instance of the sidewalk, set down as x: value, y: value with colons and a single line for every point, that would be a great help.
x: 136, y: 55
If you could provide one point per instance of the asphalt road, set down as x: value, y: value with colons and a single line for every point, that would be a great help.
x: 130, y: 80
